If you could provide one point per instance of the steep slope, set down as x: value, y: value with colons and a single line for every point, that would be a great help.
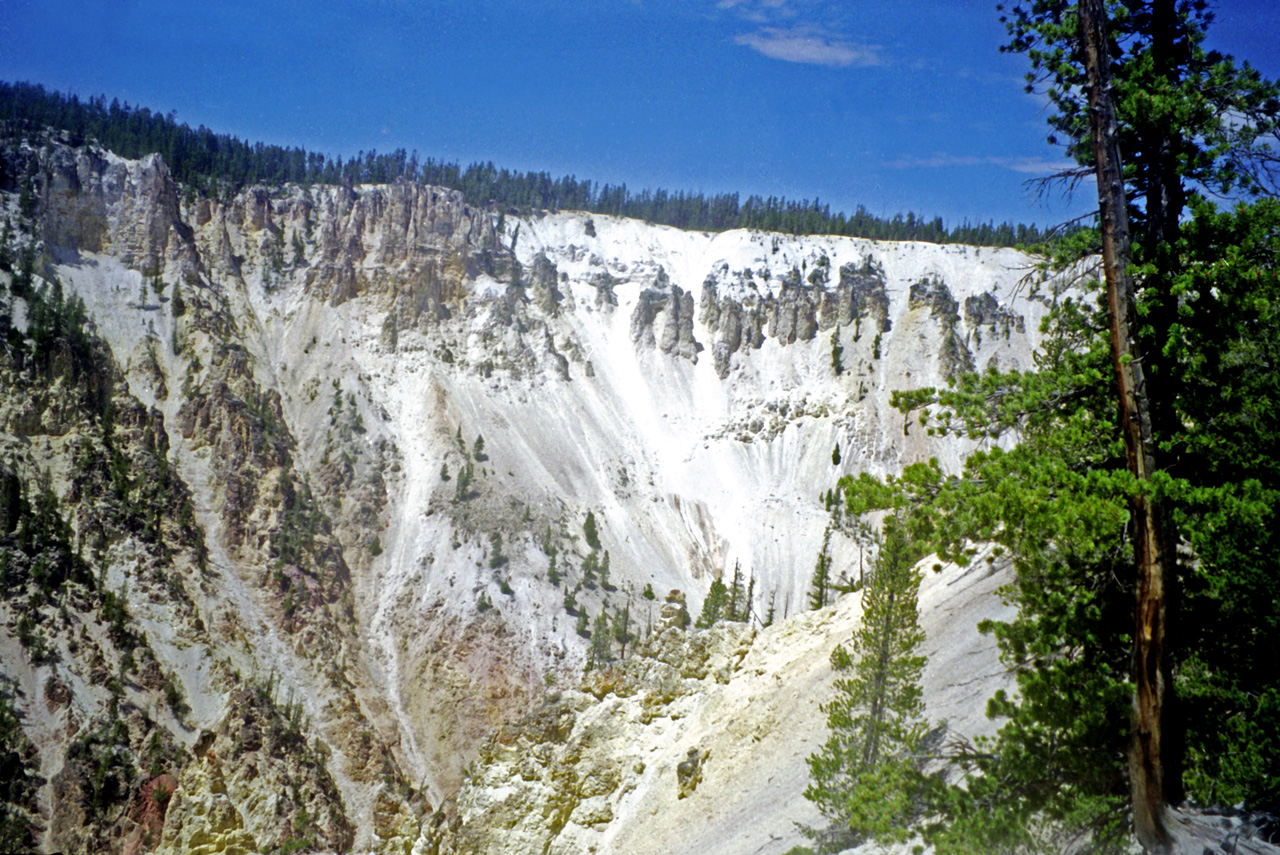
x: 393, y: 414
x: 699, y: 742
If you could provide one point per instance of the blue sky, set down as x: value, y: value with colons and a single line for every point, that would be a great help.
x: 895, y: 106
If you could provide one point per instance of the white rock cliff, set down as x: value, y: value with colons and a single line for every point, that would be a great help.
x: 318, y: 359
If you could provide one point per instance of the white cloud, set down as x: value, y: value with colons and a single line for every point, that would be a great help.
x: 808, y: 47
x: 1025, y: 165
x: 764, y: 4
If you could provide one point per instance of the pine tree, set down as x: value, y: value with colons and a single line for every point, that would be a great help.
x: 820, y: 581
x: 1058, y: 503
x: 591, y: 533
x: 1134, y: 79
x: 1155, y: 549
x: 622, y: 629
x: 462, y: 486
x: 600, y: 650
x: 496, y: 558
x: 176, y: 304
x: 713, y: 607
x: 739, y: 603
x: 604, y: 572
x: 866, y: 779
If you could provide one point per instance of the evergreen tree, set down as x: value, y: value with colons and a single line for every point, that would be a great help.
x: 739, y: 607
x: 714, y: 606
x: 865, y: 779
x: 600, y: 650
x: 1058, y: 504
x: 1134, y: 79
x: 18, y: 789
x: 590, y: 532
x: 462, y: 486
x: 176, y: 304
x: 820, y: 582
x: 590, y: 567
x: 604, y: 572
x: 622, y: 629
x: 496, y: 558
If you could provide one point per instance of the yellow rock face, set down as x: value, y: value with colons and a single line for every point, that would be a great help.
x: 201, y: 818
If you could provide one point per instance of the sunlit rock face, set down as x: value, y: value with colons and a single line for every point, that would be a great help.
x: 372, y: 421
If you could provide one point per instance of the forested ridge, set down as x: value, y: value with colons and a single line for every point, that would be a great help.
x: 220, y: 163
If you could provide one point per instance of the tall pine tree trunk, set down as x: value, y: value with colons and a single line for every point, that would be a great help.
x: 1153, y: 555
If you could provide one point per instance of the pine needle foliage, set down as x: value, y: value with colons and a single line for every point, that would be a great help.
x: 866, y: 778
x: 820, y: 582
x: 600, y: 650
x: 715, y: 606
x: 1059, y: 502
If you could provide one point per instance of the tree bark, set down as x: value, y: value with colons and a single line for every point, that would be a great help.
x: 1153, y: 558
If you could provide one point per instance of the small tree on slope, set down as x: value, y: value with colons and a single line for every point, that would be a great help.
x: 714, y: 606
x: 865, y: 778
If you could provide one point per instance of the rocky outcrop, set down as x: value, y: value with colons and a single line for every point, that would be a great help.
x: 202, y: 819
x: 544, y: 282
x: 114, y: 658
x: 606, y: 297
x: 674, y: 612
x: 792, y: 312
x: 675, y: 307
x: 410, y: 245
x: 96, y: 202
x: 984, y: 312
x: 272, y: 790
x: 736, y: 324
x: 554, y: 781
x: 689, y: 772
x: 466, y: 679
x: 862, y: 294
x: 954, y: 356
